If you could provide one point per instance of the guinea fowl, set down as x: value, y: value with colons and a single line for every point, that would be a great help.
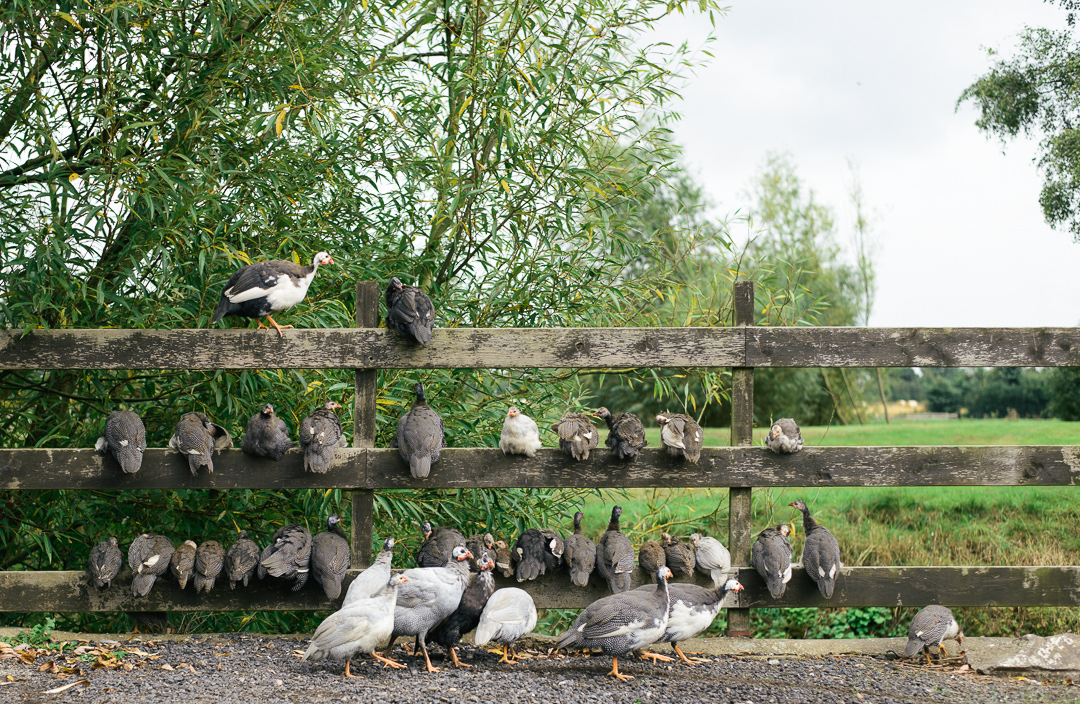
x: 182, y: 563
x: 615, y: 555
x: 821, y: 552
x: 374, y: 578
x: 621, y: 623
x: 537, y: 552
x: 681, y: 435
x: 520, y: 436
x: 784, y: 437
x: 409, y: 312
x: 554, y: 549
x: 197, y: 437
x: 713, y: 558
x: 266, y: 552
x: 503, y: 559
x: 420, y: 436
x: 125, y: 438
x: 320, y: 433
x: 105, y: 563
x: 651, y: 556
x: 626, y: 434
x: 266, y: 435
x: 691, y: 611
x: 148, y: 557
x: 209, y: 560
x: 679, y: 555
x: 289, y: 555
x: 438, y: 547
x: 358, y: 627
x: 430, y: 595
x: 330, y: 557
x: 481, y: 546
x: 771, y: 557
x: 241, y: 560
x: 257, y: 290
x: 580, y: 554
x: 577, y: 436
x: 932, y: 626
x: 508, y: 615
x: 467, y: 615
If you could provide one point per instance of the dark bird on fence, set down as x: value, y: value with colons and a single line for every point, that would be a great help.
x: 409, y: 312
x: 626, y: 434
x: 467, y: 615
x: 330, y: 557
x: 509, y: 614
x: 266, y: 435
x: 932, y: 626
x: 209, y: 561
x: 537, y: 552
x: 651, y: 556
x: 520, y: 436
x: 580, y: 555
x: 182, y: 563
x: 241, y: 560
x: 196, y: 437
x: 681, y: 435
x: 693, y: 609
x: 771, y: 557
x: 320, y: 434
x: 290, y: 555
x: 420, y: 436
x: 148, y: 557
x: 257, y: 290
x: 374, y: 578
x: 481, y: 546
x: 125, y: 438
x: 713, y: 558
x: 622, y: 623
x: 821, y: 552
x: 784, y: 437
x: 577, y: 436
x: 615, y: 555
x: 679, y: 556
x: 503, y: 559
x: 266, y: 552
x: 105, y: 563
x: 438, y: 547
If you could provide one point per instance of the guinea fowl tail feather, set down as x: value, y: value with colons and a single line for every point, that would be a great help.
x: 580, y: 578
x: 141, y: 584
x: 529, y: 568
x: 221, y: 311
x: 914, y: 645
x: 420, y: 332
x: 420, y: 466
x: 277, y: 565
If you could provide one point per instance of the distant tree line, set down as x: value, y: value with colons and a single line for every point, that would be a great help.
x: 992, y: 393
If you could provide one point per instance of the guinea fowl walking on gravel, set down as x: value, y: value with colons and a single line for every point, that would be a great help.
x: 125, y: 438
x: 358, y: 627
x: 626, y: 434
x: 771, y: 557
x: 374, y: 578
x: 691, y: 611
x: 209, y: 561
x: 289, y: 555
x: 148, y: 557
x: 266, y: 435
x: 931, y: 626
x: 509, y: 614
x: 681, y: 435
x: 409, y: 312
x: 580, y: 554
x: 182, y: 564
x: 784, y: 437
x: 320, y: 433
x: 651, y: 556
x: 196, y: 437
x: 438, y: 546
x: 520, y: 436
x: 257, y: 290
x: 105, y: 563
x: 241, y: 560
x: 622, y: 623
x: 467, y: 615
x: 679, y: 555
x: 821, y: 552
x: 615, y: 555
x: 330, y: 557
x: 577, y: 435
x: 481, y: 546
x: 420, y: 436
x: 712, y: 557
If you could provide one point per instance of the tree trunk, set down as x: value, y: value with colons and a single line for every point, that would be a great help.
x: 881, y: 390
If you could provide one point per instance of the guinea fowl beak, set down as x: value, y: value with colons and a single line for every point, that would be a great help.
x: 466, y: 556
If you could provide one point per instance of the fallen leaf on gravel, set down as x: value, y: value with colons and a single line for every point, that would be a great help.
x: 167, y: 666
x: 66, y: 687
x: 964, y: 668
x: 49, y: 667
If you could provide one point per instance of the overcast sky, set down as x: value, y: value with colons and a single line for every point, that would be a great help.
x: 962, y: 241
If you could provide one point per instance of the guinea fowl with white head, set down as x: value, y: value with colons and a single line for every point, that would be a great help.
x: 626, y: 434
x: 615, y: 555
x: 105, y: 563
x: 577, y: 435
x: 266, y: 435
x: 771, y: 557
x: 330, y: 557
x: 124, y: 438
x: 374, y: 578
x: 420, y: 436
x: 520, y: 436
x: 713, y: 559
x: 692, y: 609
x: 508, y: 615
x: 196, y: 437
x: 320, y: 434
x: 821, y: 552
x: 784, y: 437
x: 932, y: 626
x: 409, y: 312
x: 257, y: 290
x: 467, y: 615
x: 579, y: 554
x: 681, y: 435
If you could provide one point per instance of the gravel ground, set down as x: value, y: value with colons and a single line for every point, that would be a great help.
x: 246, y: 668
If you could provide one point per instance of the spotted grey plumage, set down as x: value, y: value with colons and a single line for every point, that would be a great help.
x: 183, y: 562
x: 679, y: 556
x: 124, y: 438
x: 374, y: 578
x: 196, y: 437
x: 241, y: 560
x: 209, y: 561
x: 615, y: 555
x: 289, y: 555
x: 409, y: 312
x: 105, y: 563
x: 580, y: 555
x: 681, y: 435
x: 626, y: 434
x: 577, y: 435
x: 420, y: 436
x: 930, y: 627
x: 771, y: 557
x: 784, y: 437
x: 266, y: 435
x: 320, y: 434
x: 330, y: 557
x: 821, y: 552
x: 149, y: 556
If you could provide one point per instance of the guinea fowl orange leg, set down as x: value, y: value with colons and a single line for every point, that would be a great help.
x: 682, y: 656
x: 655, y: 657
x: 387, y: 661
x: 278, y: 327
x: 615, y: 669
x: 506, y: 656
x: 454, y: 657
x: 430, y: 668
x: 349, y: 674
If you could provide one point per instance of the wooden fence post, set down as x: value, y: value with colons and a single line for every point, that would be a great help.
x: 363, y: 501
x: 742, y: 433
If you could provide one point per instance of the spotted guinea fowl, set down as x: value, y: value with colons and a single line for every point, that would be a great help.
x: 580, y: 554
x: 577, y: 435
x: 615, y: 555
x: 320, y: 433
x: 420, y: 436
x: 821, y: 552
x: 257, y: 290
x: 467, y: 615
x: 713, y: 559
x: 621, y: 623
x: 932, y: 626
x: 651, y: 556
x: 182, y: 564
x: 508, y: 615
x: 124, y: 438
x: 771, y: 557
x: 430, y: 595
x: 330, y: 557
x: 241, y: 560
x: 266, y: 435
x: 209, y: 561
x: 481, y: 546
x: 784, y: 437
x: 681, y: 435
x: 504, y: 561
x: 196, y: 437
x: 438, y: 546
x: 409, y: 312
x: 520, y: 436
x: 105, y: 563
x: 371, y: 580
x: 148, y: 557
x: 289, y: 555
x: 358, y: 628
x: 679, y: 556
x: 691, y: 611
x: 626, y: 434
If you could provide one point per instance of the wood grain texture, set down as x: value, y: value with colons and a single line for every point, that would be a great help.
x: 740, y: 499
x: 364, y: 428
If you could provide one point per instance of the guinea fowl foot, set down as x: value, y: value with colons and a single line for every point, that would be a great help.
x: 278, y: 327
x: 430, y: 667
x: 386, y: 662
x: 682, y: 656
x: 655, y: 657
x: 506, y: 657
x: 454, y: 658
x: 349, y: 674
x: 615, y: 670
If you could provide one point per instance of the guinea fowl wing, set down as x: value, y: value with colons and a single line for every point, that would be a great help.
x: 125, y: 438
x: 241, y: 560
x: 209, y: 561
x: 409, y: 312
x: 105, y: 562
x: 529, y: 555
x: 330, y: 558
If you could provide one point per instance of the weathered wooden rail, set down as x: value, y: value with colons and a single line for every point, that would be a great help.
x: 364, y: 469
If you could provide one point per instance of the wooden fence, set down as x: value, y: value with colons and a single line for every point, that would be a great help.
x: 364, y: 469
